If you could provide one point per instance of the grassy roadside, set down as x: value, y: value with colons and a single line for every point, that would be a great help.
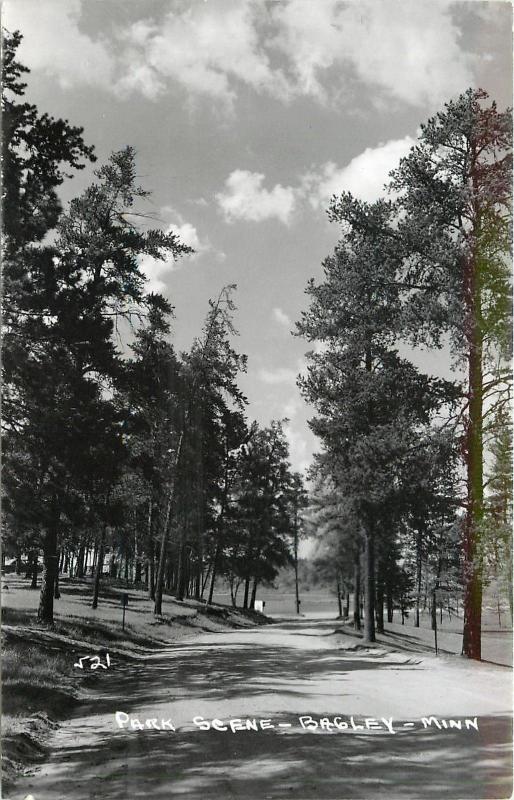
x: 38, y: 689
x: 41, y: 685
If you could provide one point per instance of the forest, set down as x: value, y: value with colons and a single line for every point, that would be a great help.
x: 126, y: 459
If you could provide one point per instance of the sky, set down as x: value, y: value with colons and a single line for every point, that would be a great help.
x: 247, y: 116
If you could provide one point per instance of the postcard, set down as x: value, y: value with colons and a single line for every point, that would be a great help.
x: 256, y: 382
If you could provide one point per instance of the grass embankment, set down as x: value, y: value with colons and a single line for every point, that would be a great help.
x: 38, y: 688
x: 41, y: 685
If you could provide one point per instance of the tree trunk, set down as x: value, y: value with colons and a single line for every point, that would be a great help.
x: 45, y: 612
x: 151, y: 569
x: 182, y: 577
x: 33, y: 584
x: 418, y: 577
x: 357, y: 594
x: 233, y: 592
x: 379, y: 609
x: 137, y: 555
x: 95, y: 558
x: 346, y: 612
x: 247, y: 588
x: 99, y: 567
x: 472, y: 633
x: 214, y: 568
x: 254, y: 593
x: 80, y: 560
x: 198, y: 583
x: 159, y: 582
x: 169, y: 573
x: 390, y: 605
x: 28, y: 571
x: 297, y: 594
x: 57, y: 593
x: 369, y: 579
x: 339, y: 599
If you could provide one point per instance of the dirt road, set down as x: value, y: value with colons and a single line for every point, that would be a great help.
x: 278, y: 674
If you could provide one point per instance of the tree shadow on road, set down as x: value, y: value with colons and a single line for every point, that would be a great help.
x: 418, y: 765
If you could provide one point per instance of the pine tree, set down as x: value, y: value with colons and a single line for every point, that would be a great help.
x: 454, y: 240
x: 371, y: 403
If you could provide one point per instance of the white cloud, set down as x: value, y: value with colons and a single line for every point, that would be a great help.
x: 291, y: 408
x: 206, y: 48
x: 54, y: 44
x: 409, y: 49
x: 282, y: 318
x: 188, y: 235
x: 403, y: 49
x: 156, y: 270
x: 299, y: 455
x: 245, y: 198
x: 364, y: 176
x: 279, y: 375
x: 283, y: 374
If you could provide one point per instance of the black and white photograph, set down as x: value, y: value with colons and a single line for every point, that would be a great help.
x: 256, y: 486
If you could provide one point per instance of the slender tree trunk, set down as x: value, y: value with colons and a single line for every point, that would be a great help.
x: 95, y: 558
x: 233, y: 593
x: 297, y: 594
x: 509, y: 589
x: 181, y: 570
x: 390, y: 605
x: 379, y: 609
x: 33, y: 584
x: 339, y: 599
x: 151, y: 569
x: 369, y: 596
x: 214, y: 568
x: 206, y: 575
x: 346, y: 612
x: 159, y: 581
x: 197, y: 582
x: 169, y: 573
x: 18, y: 562
x: 418, y: 576
x: 357, y: 594
x: 254, y: 593
x: 137, y: 554
x: 80, y: 560
x: 45, y: 612
x: 99, y: 567
x: 57, y: 593
x: 433, y: 613
x: 247, y: 588
x: 28, y: 571
x: 472, y: 633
